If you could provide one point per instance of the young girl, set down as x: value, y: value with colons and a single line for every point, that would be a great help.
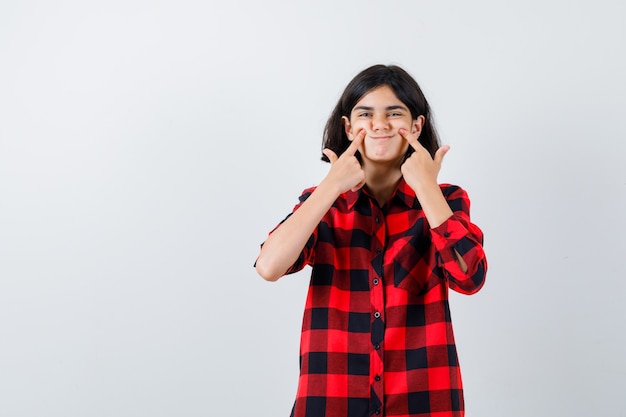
x: 385, y: 242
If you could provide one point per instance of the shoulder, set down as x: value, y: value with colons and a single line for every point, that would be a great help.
x: 344, y: 200
x: 456, y: 197
x: 452, y: 190
x: 306, y: 193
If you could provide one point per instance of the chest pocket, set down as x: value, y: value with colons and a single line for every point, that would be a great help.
x: 410, y: 260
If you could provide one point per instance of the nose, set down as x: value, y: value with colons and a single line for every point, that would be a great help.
x: 379, y: 122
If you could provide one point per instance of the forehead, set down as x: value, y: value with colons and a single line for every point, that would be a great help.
x: 382, y: 96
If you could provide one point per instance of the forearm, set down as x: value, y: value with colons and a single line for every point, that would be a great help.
x: 284, y: 245
x: 437, y: 211
x: 434, y: 204
x: 460, y: 254
x: 466, y: 273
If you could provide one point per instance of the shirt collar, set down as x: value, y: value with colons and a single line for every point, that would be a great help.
x: 406, y: 194
x: 352, y: 197
x: 403, y: 193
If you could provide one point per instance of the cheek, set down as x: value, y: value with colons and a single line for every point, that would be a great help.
x: 358, y: 125
x: 405, y: 125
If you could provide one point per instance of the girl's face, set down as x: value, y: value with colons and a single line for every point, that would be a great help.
x: 381, y: 114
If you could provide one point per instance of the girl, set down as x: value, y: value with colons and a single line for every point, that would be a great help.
x: 385, y: 242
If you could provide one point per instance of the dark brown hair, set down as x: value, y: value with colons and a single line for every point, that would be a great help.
x: 404, y: 87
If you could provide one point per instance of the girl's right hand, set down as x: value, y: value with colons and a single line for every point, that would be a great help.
x: 346, y: 172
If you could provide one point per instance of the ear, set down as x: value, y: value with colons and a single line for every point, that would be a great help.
x: 418, y: 124
x: 347, y: 126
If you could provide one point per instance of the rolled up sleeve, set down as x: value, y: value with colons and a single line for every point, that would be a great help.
x: 459, y: 235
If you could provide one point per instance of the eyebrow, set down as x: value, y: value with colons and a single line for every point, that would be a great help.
x: 397, y: 107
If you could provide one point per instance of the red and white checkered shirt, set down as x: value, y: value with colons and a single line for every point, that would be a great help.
x: 377, y: 334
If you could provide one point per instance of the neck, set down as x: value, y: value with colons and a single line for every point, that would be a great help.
x: 381, y: 181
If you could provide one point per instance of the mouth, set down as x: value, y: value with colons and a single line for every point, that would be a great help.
x: 380, y: 137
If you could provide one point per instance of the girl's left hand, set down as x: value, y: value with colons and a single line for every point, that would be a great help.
x: 420, y: 169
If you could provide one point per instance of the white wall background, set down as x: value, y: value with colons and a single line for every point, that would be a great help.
x: 147, y: 147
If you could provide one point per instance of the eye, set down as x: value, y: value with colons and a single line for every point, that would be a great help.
x: 365, y: 114
x: 395, y: 114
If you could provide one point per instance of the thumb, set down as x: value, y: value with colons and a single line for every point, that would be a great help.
x: 332, y: 156
x: 441, y: 152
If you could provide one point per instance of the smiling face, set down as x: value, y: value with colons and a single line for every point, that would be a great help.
x: 381, y: 114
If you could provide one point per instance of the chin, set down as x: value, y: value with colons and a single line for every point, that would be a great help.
x: 384, y: 157
x: 385, y: 154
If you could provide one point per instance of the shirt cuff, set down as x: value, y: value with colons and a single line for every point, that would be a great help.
x: 450, y: 234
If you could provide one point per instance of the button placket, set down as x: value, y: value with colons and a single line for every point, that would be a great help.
x: 377, y: 304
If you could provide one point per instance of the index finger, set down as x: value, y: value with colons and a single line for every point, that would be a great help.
x: 415, y: 144
x: 356, y: 143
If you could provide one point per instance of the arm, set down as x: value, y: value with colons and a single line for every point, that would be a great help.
x: 437, y: 211
x: 285, y: 243
x: 420, y: 171
x: 457, y: 240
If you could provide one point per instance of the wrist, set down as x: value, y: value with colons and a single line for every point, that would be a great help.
x: 425, y: 187
x: 329, y: 189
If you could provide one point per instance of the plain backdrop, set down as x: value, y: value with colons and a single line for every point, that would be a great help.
x: 148, y: 147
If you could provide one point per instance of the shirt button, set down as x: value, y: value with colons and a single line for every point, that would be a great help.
x: 377, y: 219
x: 377, y: 412
x: 377, y: 314
x: 378, y: 250
x: 446, y: 234
x: 375, y: 281
x: 376, y: 346
x: 377, y: 378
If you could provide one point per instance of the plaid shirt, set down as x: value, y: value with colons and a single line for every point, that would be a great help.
x: 377, y: 334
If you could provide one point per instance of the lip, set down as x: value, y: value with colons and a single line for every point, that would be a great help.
x: 380, y: 137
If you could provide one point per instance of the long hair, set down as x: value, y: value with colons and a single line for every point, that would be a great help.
x: 404, y: 87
